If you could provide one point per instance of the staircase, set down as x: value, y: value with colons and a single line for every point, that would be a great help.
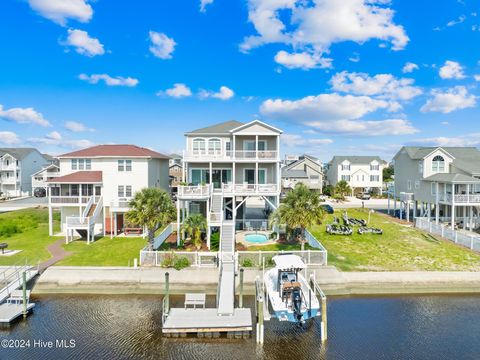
x: 91, y: 211
x: 227, y: 242
x: 84, y: 225
x: 216, y: 212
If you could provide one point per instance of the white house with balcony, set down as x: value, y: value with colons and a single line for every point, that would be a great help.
x: 41, y: 177
x: 16, y: 168
x: 362, y: 173
x: 231, y: 176
x: 440, y: 183
x: 94, y: 186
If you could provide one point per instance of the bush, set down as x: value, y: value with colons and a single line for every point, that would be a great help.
x: 328, y: 190
x: 247, y: 262
x: 8, y: 229
x: 176, y: 262
x: 215, y: 241
x: 273, y: 235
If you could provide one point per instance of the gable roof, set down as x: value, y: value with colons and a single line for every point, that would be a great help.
x: 115, y: 151
x: 79, y: 177
x: 294, y: 173
x: 302, y: 158
x: 217, y: 129
x: 17, y: 153
x: 356, y: 159
x: 259, y: 123
x: 46, y: 168
x: 453, y: 178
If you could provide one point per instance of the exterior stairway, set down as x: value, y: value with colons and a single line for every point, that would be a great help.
x: 216, y: 209
x: 85, y: 225
x: 226, y: 282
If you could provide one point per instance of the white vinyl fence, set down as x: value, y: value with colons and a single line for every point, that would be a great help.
x: 470, y: 241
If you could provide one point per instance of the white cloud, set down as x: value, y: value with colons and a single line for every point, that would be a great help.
x: 365, y: 127
x: 83, y: 43
x: 60, y: 10
x: 293, y: 140
x: 56, y: 139
x: 109, y: 81
x: 161, y: 45
x: 460, y: 20
x: 23, y: 116
x: 409, y: 67
x: 301, y: 60
x: 77, y: 126
x: 203, y: 4
x: 322, y: 107
x: 354, y: 58
x: 445, y: 123
x: 476, y: 77
x: 9, y: 138
x: 451, y: 70
x: 316, y: 25
x: 382, y: 85
x: 178, y: 90
x: 224, y: 93
x: 455, y: 98
x: 472, y: 139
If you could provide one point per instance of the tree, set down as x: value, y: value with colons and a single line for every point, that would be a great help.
x: 328, y: 190
x: 300, y: 209
x: 342, y: 188
x: 151, y: 208
x: 388, y: 173
x: 194, y: 225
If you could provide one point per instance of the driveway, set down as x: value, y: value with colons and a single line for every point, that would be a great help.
x: 353, y: 202
x: 23, y: 203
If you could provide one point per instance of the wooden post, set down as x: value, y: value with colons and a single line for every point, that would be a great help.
x: 167, y: 294
x: 24, y: 293
x: 324, y: 319
x: 260, y: 321
x: 240, y: 298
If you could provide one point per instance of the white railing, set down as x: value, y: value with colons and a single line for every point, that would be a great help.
x: 73, y: 221
x: 313, y: 242
x: 460, y: 198
x: 255, y: 259
x: 198, y: 191
x: 470, y: 241
x: 167, y: 258
x: 98, y: 208
x: 252, y: 224
x: 69, y: 199
x: 230, y: 155
x: 120, y: 204
x: 87, y: 208
x: 250, y: 188
x: 160, y: 239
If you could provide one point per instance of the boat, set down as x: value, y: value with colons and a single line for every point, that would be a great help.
x: 289, y: 293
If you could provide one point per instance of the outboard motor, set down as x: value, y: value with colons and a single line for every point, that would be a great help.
x: 297, y: 304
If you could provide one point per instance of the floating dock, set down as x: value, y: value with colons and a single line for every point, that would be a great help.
x: 10, y: 312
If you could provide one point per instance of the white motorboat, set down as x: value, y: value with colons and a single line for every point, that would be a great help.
x: 290, y: 295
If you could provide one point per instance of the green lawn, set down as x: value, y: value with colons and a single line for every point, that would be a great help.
x: 27, y: 230
x: 118, y: 251
x: 400, y: 248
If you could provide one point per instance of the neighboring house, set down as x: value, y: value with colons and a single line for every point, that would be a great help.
x: 442, y: 183
x: 288, y: 159
x: 95, y: 185
x: 306, y: 170
x: 176, y: 173
x: 40, y: 178
x: 362, y: 173
x: 175, y: 159
x: 233, y: 174
x: 16, y: 168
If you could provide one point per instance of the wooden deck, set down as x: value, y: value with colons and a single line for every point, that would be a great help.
x: 197, y: 320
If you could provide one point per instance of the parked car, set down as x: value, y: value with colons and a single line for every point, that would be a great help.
x: 40, y: 192
x: 328, y: 209
x: 364, y: 196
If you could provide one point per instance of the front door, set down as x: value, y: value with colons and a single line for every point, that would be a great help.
x: 249, y: 176
x: 217, y: 178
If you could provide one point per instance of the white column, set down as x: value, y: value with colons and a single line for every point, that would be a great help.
x: 234, y: 149
x: 178, y: 222
x: 437, y: 204
x: 115, y: 224
x: 256, y: 147
x: 453, y: 216
x: 234, y: 175
x: 111, y: 223
x: 210, y: 168
x: 414, y: 209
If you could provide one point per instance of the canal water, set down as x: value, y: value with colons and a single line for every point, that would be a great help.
x: 129, y: 327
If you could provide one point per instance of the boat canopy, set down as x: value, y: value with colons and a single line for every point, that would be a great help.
x: 287, y: 262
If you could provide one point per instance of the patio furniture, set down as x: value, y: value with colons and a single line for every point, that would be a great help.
x: 263, y: 227
x: 3, y: 246
x: 194, y: 300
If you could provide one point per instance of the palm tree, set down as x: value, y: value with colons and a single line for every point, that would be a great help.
x: 342, y: 188
x: 151, y: 208
x: 194, y: 225
x: 301, y: 209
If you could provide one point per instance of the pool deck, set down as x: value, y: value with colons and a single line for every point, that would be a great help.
x: 240, y: 238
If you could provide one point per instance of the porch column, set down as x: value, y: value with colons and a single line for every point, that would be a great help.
x: 470, y: 216
x: 468, y: 193
x: 256, y: 147
x: 104, y: 221
x: 115, y: 224
x: 256, y: 176
x: 437, y: 204
x: 210, y: 176
x: 414, y: 209
x: 178, y: 222
x: 234, y: 149
x: 407, y: 209
x: 453, y: 216
x: 50, y: 212
x: 234, y: 176
x: 80, y: 198
x: 208, y: 223
x: 111, y: 223
x: 429, y: 205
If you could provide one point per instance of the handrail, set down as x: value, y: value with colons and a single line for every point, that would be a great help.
x: 97, y: 210
x: 87, y: 209
x: 166, y: 232
x: 317, y: 288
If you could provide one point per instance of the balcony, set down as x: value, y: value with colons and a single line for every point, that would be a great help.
x: 195, y: 191
x: 237, y: 155
x: 120, y: 205
x: 69, y: 200
x: 9, y: 181
x: 10, y: 167
x: 460, y: 199
x: 249, y: 189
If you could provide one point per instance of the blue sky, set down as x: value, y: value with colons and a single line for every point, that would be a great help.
x: 350, y: 77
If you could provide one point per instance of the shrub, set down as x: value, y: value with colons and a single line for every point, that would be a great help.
x: 8, y: 229
x: 273, y: 235
x: 215, y: 241
x: 247, y: 262
x: 176, y: 262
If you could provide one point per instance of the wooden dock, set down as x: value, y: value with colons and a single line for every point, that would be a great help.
x: 11, y: 311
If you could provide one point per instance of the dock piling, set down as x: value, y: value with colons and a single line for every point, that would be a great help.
x: 240, y: 298
x: 24, y: 293
x: 167, y: 292
x: 324, y: 319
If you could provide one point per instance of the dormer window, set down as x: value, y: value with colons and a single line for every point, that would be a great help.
x: 438, y: 164
x: 198, y: 146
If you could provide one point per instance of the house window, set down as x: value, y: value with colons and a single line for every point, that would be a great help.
x: 433, y: 188
x: 345, y: 166
x: 124, y: 165
x: 74, y: 190
x: 121, y: 191
x: 128, y: 165
x: 74, y: 164
x: 128, y: 191
x: 88, y: 164
x: 420, y: 167
x: 374, y: 178
x: 198, y: 146
x: 314, y: 179
x: 374, y: 167
x: 214, y: 146
x: 438, y: 164
x: 417, y: 184
x: 346, y: 178
x: 409, y: 184
x: 228, y: 147
x: 81, y: 164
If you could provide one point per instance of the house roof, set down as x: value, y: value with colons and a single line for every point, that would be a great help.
x: 115, y: 151
x: 175, y: 156
x: 45, y: 168
x: 221, y: 128
x: 465, y: 158
x: 354, y: 159
x: 17, y: 153
x: 452, y: 178
x: 79, y: 177
x: 294, y: 173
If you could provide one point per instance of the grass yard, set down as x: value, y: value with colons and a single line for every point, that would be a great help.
x: 118, y: 251
x: 27, y: 230
x: 400, y: 248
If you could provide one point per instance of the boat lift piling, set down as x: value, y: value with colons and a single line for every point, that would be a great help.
x: 24, y: 294
x: 167, y: 292
x: 318, y: 292
x: 259, y: 301
x: 240, y: 296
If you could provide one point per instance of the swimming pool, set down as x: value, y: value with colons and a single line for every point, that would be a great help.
x: 256, y: 238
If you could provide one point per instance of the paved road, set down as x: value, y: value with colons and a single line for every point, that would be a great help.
x: 23, y: 203
x: 353, y: 202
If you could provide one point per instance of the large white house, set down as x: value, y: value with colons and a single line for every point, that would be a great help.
x: 94, y: 186
x: 16, y: 168
x: 441, y: 183
x: 231, y: 176
x: 362, y: 173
